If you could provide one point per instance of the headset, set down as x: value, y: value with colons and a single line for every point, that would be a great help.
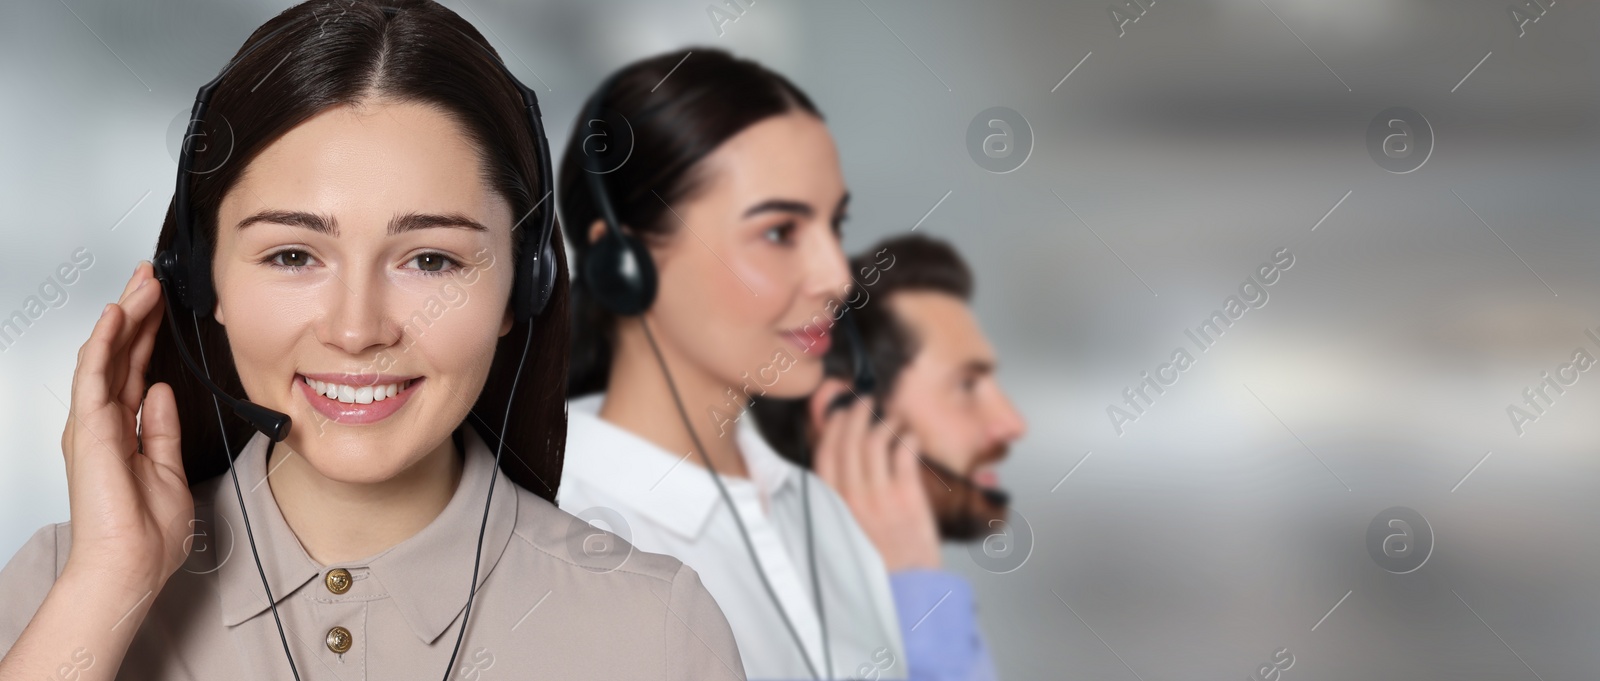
x: 185, y: 273
x: 865, y: 382
x: 619, y: 272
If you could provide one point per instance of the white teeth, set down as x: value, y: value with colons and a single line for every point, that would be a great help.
x: 350, y: 394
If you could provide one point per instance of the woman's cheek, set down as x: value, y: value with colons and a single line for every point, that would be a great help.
x: 459, y: 339
x: 264, y: 328
x: 767, y: 274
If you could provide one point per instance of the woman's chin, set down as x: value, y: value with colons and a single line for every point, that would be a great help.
x: 797, y: 381
x: 355, y: 460
x: 359, y: 468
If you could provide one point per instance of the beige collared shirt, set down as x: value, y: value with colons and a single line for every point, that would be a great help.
x: 555, y: 599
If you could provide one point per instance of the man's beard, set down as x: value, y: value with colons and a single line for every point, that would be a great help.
x: 966, y: 514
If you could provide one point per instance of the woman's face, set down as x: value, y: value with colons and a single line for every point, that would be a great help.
x: 747, y: 277
x: 364, y: 252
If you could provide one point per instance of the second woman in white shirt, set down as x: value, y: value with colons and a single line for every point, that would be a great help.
x: 727, y: 175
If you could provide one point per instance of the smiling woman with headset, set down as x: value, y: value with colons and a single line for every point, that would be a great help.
x: 704, y: 197
x: 363, y: 246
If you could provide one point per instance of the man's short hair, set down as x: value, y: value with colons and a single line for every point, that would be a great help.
x: 915, y: 263
x: 918, y: 264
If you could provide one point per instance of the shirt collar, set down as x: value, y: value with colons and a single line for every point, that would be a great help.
x: 771, y: 471
x: 664, y: 486
x: 421, y: 574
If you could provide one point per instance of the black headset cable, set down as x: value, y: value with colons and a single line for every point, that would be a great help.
x: 744, y: 534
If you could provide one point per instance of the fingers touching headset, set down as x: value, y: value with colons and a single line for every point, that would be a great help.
x: 129, y: 507
x: 872, y: 465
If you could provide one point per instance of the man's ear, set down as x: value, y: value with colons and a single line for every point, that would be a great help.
x: 817, y: 404
x: 597, y: 229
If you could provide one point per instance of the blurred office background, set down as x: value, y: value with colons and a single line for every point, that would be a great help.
x: 1168, y: 158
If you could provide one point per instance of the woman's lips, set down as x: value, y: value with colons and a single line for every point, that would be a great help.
x: 810, y: 342
x: 355, y: 413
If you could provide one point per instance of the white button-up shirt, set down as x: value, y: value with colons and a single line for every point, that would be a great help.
x: 671, y: 505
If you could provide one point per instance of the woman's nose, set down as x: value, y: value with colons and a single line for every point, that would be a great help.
x: 356, y: 319
x: 827, y: 267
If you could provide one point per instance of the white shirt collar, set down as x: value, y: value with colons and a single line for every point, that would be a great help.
x: 670, y: 487
x: 771, y: 472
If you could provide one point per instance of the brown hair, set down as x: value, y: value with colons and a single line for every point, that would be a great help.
x: 338, y: 52
x: 678, y: 109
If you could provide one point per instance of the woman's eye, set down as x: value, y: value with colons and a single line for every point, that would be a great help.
x: 435, y: 263
x: 779, y: 234
x: 290, y: 259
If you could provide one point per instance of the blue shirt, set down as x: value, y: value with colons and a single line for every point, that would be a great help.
x: 939, y: 624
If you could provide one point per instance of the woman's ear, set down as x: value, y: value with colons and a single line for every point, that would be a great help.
x: 216, y: 313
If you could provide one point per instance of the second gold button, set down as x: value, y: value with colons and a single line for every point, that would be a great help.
x: 338, y: 580
x: 339, y: 640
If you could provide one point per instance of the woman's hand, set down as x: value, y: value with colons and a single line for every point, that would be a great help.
x: 130, y: 504
x: 875, y: 471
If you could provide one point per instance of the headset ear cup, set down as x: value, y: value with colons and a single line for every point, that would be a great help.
x: 545, y: 278
x: 201, y: 296
x: 167, y: 272
x: 621, y: 275
x: 178, y: 283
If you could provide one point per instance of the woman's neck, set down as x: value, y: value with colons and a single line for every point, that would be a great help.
x: 639, y: 399
x: 337, y: 521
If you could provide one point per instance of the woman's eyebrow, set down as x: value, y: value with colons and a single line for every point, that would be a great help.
x: 410, y: 221
x: 799, y: 208
x: 293, y: 218
x: 328, y: 225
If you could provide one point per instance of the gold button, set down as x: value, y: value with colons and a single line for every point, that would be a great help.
x: 339, y: 640
x: 338, y: 580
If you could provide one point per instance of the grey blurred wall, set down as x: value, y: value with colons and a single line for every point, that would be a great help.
x: 1169, y: 158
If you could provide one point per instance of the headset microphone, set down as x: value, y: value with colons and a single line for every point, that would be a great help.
x: 274, y: 424
x: 865, y: 384
x: 192, y: 285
